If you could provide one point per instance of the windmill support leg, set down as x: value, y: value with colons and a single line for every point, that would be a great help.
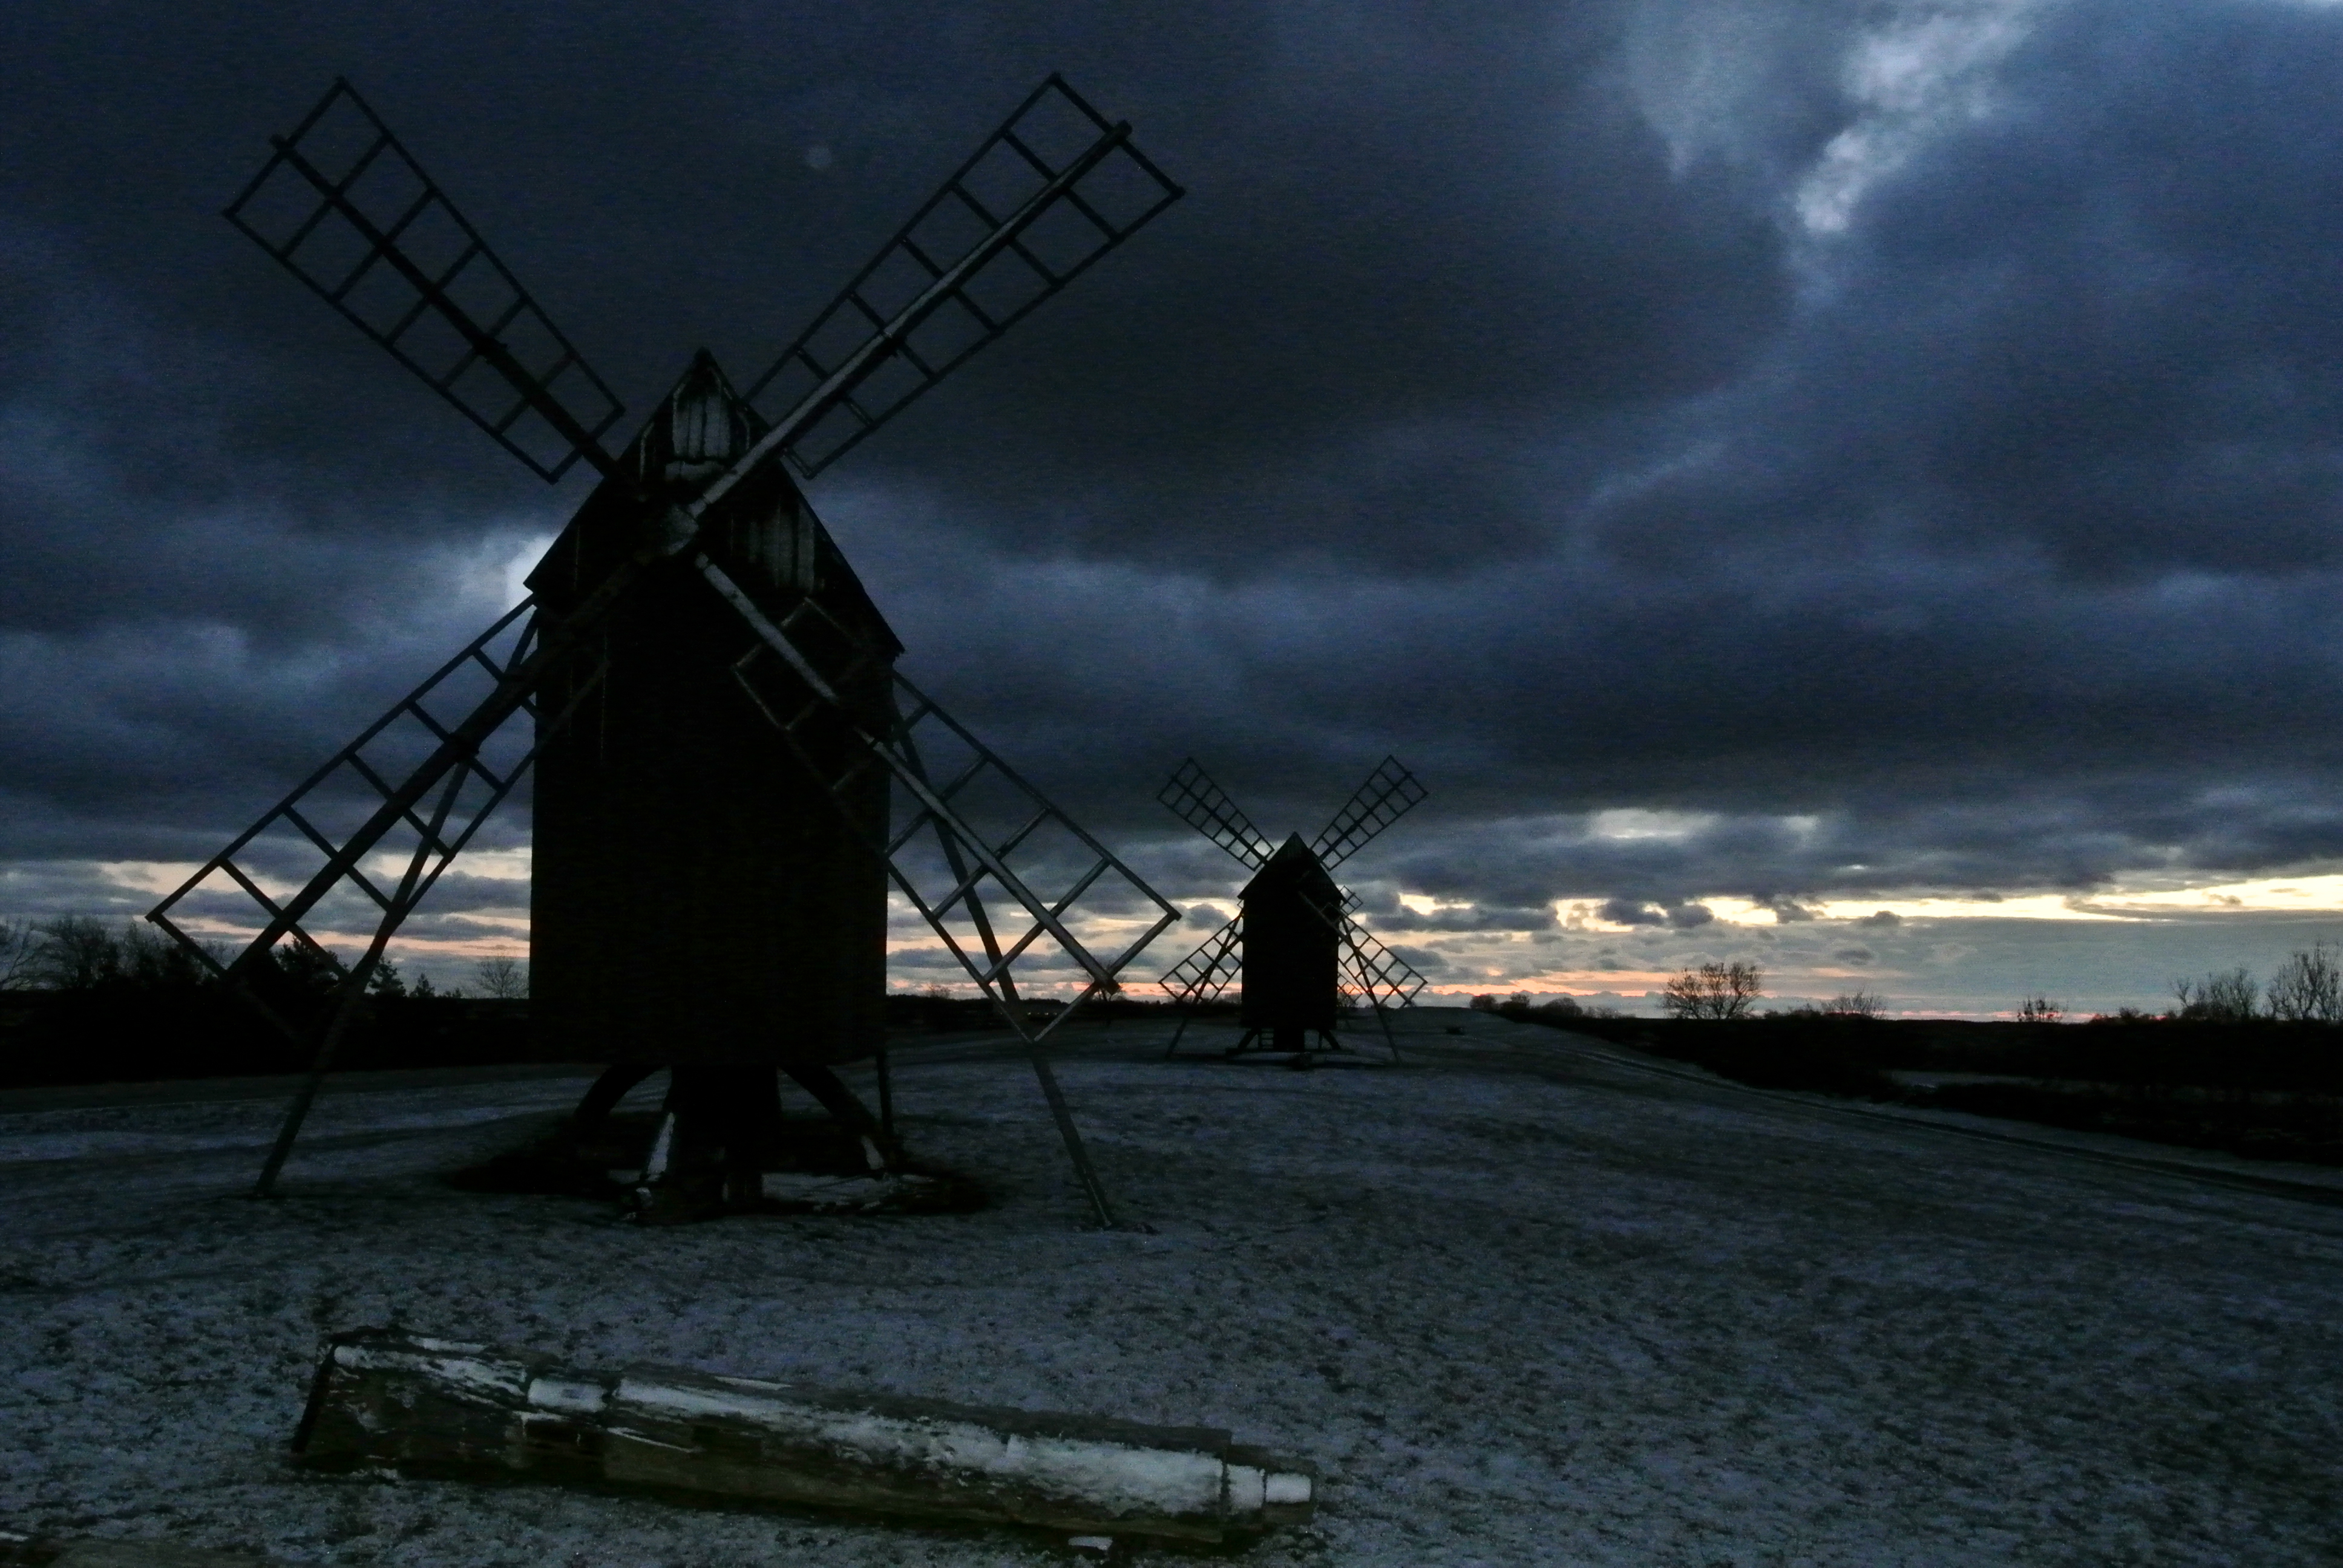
x: 724, y: 1121
x: 346, y: 1006
x: 1184, y: 1016
x: 753, y: 1133
x: 1383, y: 1016
x: 1011, y: 1012
x: 352, y: 987
x: 615, y: 1085
x: 886, y: 1096
x: 724, y: 1129
x: 849, y: 1111
x: 298, y: 1112
x: 1063, y: 1115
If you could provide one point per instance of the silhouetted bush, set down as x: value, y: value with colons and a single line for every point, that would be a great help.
x: 1714, y: 990
x: 121, y: 1035
x: 81, y: 953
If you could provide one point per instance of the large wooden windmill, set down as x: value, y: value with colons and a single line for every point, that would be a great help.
x: 729, y: 772
x: 1292, y: 940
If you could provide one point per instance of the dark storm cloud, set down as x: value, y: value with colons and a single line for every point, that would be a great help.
x: 1432, y: 965
x: 455, y: 892
x: 443, y: 926
x: 1964, y: 713
x: 1396, y: 204
x: 1487, y: 403
x: 1413, y: 221
x: 1480, y: 918
x: 1635, y: 912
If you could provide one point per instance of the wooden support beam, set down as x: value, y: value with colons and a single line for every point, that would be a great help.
x: 455, y: 1409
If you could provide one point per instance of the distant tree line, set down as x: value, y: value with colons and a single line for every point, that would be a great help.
x: 2234, y: 1065
x: 1518, y: 1006
x: 2307, y: 988
x: 78, y: 952
x: 1716, y: 990
x: 83, y: 953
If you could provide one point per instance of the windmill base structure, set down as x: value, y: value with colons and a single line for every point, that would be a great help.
x: 668, y: 809
x: 733, y: 784
x: 1290, y: 942
x: 1293, y: 939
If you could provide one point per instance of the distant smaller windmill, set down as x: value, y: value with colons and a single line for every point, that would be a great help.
x: 1293, y: 938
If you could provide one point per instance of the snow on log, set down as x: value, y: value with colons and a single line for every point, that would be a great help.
x: 443, y: 1407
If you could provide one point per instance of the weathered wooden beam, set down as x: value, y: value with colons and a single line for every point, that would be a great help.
x: 449, y: 1408
x: 33, y: 1551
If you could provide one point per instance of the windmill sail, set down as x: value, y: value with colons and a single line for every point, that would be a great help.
x: 1389, y: 792
x: 1042, y: 199
x: 1383, y: 979
x: 1204, y: 805
x: 346, y: 208
x: 1204, y: 974
x: 419, y: 831
x: 944, y: 864
x: 417, y: 825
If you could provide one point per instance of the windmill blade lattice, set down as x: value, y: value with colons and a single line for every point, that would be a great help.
x: 977, y: 837
x: 1383, y: 979
x: 346, y: 208
x: 1389, y: 792
x: 1204, y: 805
x: 1045, y: 196
x: 395, y: 805
x: 969, y: 833
x: 362, y: 814
x: 348, y: 812
x: 1204, y: 974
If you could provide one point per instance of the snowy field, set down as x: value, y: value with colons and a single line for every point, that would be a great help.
x: 1527, y: 1299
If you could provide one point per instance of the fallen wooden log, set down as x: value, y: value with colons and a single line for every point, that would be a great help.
x: 449, y: 1408
x: 34, y: 1552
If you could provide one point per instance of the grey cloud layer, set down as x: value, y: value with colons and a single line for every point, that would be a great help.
x: 1483, y: 403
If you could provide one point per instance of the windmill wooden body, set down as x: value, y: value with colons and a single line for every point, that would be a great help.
x: 1292, y: 949
x: 1293, y: 943
x: 668, y: 810
x: 730, y: 775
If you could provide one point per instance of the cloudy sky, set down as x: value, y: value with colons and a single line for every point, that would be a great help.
x: 1850, y: 485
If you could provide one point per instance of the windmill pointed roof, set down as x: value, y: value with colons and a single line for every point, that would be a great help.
x: 1294, y: 867
x: 701, y: 426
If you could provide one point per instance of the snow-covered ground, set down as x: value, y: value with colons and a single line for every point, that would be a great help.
x: 1522, y: 1301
